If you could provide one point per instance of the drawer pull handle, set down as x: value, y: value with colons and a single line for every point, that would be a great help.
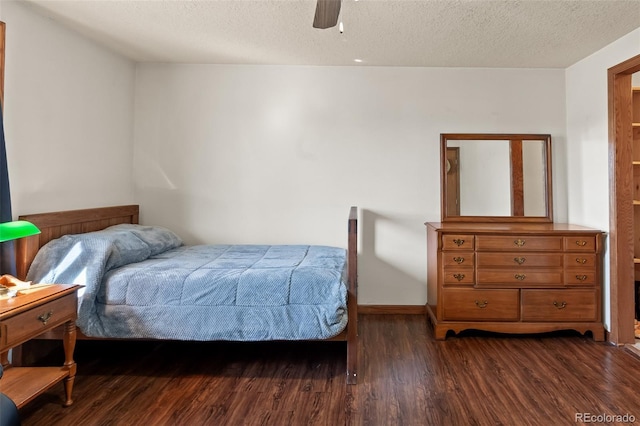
x: 520, y: 277
x: 458, y: 242
x: 458, y: 260
x: 561, y: 305
x: 581, y: 277
x: 482, y: 304
x: 519, y: 242
x: 581, y: 261
x: 519, y: 260
x: 458, y: 277
x: 581, y: 243
x: 44, y: 318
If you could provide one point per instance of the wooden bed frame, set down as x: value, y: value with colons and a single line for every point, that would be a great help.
x: 56, y: 224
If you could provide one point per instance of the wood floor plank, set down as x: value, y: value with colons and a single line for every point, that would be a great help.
x: 405, y: 377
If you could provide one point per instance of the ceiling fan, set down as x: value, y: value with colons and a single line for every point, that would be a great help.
x: 327, y: 12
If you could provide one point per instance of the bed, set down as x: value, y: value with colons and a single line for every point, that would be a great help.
x: 260, y: 292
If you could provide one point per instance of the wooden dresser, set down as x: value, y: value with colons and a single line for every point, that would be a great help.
x: 514, y: 278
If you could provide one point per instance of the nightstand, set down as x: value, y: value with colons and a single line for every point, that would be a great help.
x: 27, y: 315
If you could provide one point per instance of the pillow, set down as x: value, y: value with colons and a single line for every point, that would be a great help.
x: 158, y: 239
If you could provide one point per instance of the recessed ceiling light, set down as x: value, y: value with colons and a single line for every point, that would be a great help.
x: 357, y: 60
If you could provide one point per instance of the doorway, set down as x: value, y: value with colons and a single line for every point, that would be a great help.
x: 621, y: 186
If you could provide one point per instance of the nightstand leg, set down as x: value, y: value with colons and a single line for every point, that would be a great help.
x: 69, y: 342
x: 4, y: 359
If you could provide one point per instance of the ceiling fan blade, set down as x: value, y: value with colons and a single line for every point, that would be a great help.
x: 327, y: 12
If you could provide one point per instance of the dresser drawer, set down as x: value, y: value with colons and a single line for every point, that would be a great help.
x: 559, y: 305
x: 458, y: 242
x: 520, y: 278
x: 459, y: 276
x: 517, y: 243
x: 457, y: 259
x: 579, y: 260
x: 580, y: 243
x: 518, y: 260
x: 471, y: 304
x: 580, y: 277
x: 29, y: 324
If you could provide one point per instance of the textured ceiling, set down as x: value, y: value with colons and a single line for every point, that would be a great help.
x: 426, y: 33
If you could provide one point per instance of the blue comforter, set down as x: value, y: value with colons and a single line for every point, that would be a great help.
x: 141, y: 282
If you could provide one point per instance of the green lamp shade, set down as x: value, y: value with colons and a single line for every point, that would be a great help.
x: 17, y: 229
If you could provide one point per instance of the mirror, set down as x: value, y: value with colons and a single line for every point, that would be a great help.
x: 496, y: 177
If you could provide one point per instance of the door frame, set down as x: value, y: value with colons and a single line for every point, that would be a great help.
x: 621, y: 201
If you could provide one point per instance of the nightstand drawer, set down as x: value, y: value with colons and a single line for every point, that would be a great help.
x: 31, y: 323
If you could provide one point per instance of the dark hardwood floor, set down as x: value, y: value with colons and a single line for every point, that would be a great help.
x: 405, y: 378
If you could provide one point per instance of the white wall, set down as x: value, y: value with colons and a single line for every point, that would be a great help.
x: 228, y: 153
x: 257, y: 153
x: 68, y: 117
x: 587, y: 139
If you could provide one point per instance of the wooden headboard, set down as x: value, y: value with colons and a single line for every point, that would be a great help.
x: 56, y: 224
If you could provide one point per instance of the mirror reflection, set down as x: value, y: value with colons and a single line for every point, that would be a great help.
x: 496, y: 176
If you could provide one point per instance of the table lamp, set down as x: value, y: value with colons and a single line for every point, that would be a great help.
x: 12, y: 231
x: 17, y: 229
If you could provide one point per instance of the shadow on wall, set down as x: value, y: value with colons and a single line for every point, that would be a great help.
x: 380, y: 281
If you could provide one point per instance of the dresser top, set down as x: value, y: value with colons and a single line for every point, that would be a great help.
x: 503, y: 227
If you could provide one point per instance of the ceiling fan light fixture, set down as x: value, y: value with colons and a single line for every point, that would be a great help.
x: 327, y: 12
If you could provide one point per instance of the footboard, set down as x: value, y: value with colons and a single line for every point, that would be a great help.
x: 352, y: 298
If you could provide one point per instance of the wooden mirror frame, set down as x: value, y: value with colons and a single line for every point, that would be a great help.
x: 517, y: 193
